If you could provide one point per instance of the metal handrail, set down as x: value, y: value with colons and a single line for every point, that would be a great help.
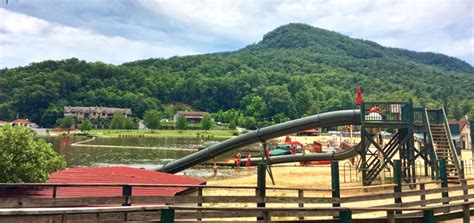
x: 451, y: 144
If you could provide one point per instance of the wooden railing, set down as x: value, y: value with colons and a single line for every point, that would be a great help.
x: 281, y: 203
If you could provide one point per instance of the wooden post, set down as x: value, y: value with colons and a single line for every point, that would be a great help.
x: 167, y: 216
x: 428, y: 216
x: 336, y: 193
x: 261, y: 185
x: 127, y: 192
x: 466, y: 215
x: 55, y: 191
x: 390, y: 217
x: 422, y: 194
x: 199, y: 194
x: 444, y: 178
x: 345, y: 216
x: 300, y: 203
x: 397, y: 179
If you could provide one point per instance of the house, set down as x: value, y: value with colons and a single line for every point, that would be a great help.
x: 24, y: 122
x: 461, y: 133
x: 193, y: 117
x: 3, y: 123
x: 81, y: 113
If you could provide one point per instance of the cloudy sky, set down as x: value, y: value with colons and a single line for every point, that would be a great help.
x: 117, y: 31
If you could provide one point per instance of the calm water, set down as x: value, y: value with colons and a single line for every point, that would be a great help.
x: 156, y: 152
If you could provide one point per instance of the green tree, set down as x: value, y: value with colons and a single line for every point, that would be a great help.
x: 86, y: 125
x: 206, y: 122
x: 25, y: 159
x: 130, y: 123
x: 152, y: 119
x: 181, y: 122
x: 118, y: 121
x: 232, y: 125
x: 68, y: 122
x: 457, y: 112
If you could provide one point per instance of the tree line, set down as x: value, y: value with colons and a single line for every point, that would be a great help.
x: 294, y: 71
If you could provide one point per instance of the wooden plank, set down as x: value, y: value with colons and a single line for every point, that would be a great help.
x: 77, y: 210
x: 59, y: 202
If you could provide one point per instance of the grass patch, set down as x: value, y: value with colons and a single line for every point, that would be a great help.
x: 163, y: 133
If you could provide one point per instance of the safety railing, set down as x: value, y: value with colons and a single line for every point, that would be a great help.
x: 387, y: 112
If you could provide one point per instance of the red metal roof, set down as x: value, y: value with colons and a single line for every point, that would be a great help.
x: 116, y: 174
x: 461, y: 123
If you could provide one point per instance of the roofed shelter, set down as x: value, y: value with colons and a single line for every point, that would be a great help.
x: 113, y: 175
x: 192, y: 117
x: 461, y: 133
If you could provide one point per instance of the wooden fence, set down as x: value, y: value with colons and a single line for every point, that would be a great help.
x: 428, y: 200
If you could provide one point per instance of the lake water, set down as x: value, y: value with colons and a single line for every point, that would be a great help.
x: 154, y: 153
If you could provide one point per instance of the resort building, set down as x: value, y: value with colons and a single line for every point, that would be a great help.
x: 24, y: 122
x: 461, y: 133
x: 81, y: 113
x: 193, y: 117
x: 3, y: 123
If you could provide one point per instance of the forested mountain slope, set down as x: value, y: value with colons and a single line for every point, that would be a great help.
x: 294, y: 71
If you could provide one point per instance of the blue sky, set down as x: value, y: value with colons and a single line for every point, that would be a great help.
x: 123, y: 30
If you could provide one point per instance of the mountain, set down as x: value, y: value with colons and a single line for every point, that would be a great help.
x: 295, y: 70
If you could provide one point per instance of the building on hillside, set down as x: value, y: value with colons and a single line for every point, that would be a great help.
x: 81, y: 113
x: 24, y: 122
x: 3, y: 123
x: 193, y: 117
x: 461, y: 133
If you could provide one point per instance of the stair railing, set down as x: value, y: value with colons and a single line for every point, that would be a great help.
x: 451, y: 144
x: 432, y: 152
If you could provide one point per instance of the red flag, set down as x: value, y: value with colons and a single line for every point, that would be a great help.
x: 359, y: 96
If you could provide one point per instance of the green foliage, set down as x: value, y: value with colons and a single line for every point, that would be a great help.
x: 181, y: 122
x: 152, y: 119
x: 296, y: 70
x: 25, y: 159
x: 130, y: 123
x: 118, y: 121
x: 206, y: 122
x: 68, y: 122
x: 86, y: 125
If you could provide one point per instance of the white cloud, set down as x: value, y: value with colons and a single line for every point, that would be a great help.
x: 397, y: 23
x: 25, y: 39
x: 180, y: 27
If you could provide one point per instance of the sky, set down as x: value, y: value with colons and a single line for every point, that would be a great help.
x: 118, y: 31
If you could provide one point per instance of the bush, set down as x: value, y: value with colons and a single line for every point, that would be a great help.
x: 25, y: 159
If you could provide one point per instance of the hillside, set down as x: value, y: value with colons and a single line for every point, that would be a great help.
x: 295, y: 70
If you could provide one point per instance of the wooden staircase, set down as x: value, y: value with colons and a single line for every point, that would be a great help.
x: 444, y: 150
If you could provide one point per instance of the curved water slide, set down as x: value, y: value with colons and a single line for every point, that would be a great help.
x: 327, y: 119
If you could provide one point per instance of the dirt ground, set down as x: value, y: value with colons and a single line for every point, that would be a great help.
x: 317, y: 176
